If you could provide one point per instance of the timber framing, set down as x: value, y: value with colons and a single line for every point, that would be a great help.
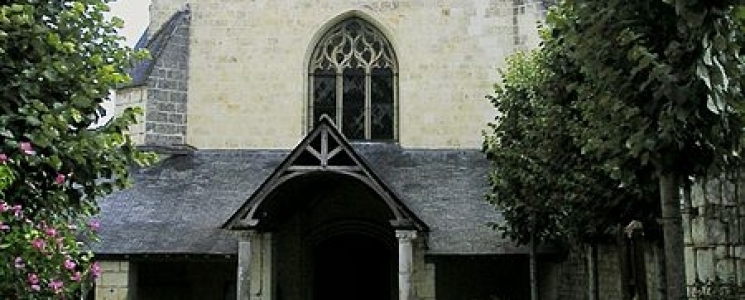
x: 323, y: 151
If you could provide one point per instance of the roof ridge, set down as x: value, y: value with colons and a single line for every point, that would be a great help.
x: 155, y: 45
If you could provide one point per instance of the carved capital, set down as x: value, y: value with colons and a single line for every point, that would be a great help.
x: 406, y: 235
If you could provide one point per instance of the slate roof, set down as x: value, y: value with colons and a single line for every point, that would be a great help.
x: 154, y: 44
x: 179, y: 205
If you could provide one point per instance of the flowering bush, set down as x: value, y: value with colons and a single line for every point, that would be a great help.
x: 42, y: 254
x: 42, y: 258
x: 59, y: 60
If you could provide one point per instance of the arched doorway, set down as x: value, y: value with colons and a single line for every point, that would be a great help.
x: 325, y: 227
x: 353, y: 266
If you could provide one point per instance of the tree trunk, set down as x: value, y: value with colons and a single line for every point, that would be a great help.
x: 659, y: 254
x: 592, y: 272
x: 672, y: 228
x: 533, y: 270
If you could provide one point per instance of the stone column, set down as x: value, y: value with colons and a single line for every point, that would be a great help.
x: 405, y: 262
x: 244, y: 265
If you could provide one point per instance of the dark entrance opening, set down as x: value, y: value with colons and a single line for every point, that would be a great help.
x: 353, y: 266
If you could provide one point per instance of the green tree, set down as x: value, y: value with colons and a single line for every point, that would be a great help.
x: 547, y: 189
x: 626, y: 91
x: 545, y: 185
x: 662, y: 89
x: 58, y: 62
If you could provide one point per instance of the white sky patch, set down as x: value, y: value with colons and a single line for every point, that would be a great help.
x: 136, y: 16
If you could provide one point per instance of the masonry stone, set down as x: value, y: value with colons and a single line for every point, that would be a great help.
x: 118, y: 281
x: 253, y: 106
x: 714, y: 247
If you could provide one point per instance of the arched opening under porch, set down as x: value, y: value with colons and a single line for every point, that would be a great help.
x: 336, y: 242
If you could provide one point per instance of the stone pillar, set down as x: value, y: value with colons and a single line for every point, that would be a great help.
x: 118, y: 281
x: 405, y: 262
x: 244, y: 265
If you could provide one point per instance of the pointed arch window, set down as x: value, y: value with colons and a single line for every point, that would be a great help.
x: 353, y: 78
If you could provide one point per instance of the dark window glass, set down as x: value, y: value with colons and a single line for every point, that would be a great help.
x: 352, y: 76
x: 381, y: 106
x: 353, y: 116
x: 324, y: 95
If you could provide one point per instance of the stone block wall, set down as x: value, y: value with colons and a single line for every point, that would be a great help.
x: 261, y: 272
x: 118, y: 281
x: 714, y: 225
x: 574, y: 274
x: 573, y: 277
x: 135, y: 96
x: 610, y: 280
x: 247, y: 80
x: 165, y: 110
x: 654, y: 265
x: 423, y: 275
x: 161, y: 86
x: 527, y: 16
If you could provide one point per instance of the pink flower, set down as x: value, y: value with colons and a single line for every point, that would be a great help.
x: 94, y: 225
x: 50, y: 231
x: 4, y: 206
x: 77, y: 276
x: 69, y: 264
x: 56, y: 286
x: 19, y: 264
x: 4, y: 227
x: 33, y: 278
x: 17, y: 211
x: 3, y: 158
x: 38, y: 244
x: 35, y: 287
x: 96, y: 270
x: 27, y: 148
x: 60, y: 179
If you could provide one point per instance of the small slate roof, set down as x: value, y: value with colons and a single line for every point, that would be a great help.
x: 155, y: 45
x: 179, y: 205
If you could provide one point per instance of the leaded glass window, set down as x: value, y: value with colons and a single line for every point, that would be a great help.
x: 353, y: 80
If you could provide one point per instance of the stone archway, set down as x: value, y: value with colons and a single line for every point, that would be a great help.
x: 353, y: 266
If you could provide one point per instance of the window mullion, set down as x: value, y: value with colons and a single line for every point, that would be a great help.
x: 339, y: 99
x: 396, y: 114
x: 310, y: 113
x: 368, y: 104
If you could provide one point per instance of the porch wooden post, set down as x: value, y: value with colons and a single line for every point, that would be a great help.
x: 244, y: 265
x: 405, y: 262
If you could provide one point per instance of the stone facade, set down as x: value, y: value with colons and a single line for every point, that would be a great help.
x: 160, y: 85
x: 423, y: 276
x: 610, y: 278
x: 118, y: 281
x: 714, y: 226
x: 134, y: 96
x: 233, y: 74
x: 166, y: 108
x: 247, y: 68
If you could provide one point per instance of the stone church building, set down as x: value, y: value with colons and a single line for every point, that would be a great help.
x: 318, y: 150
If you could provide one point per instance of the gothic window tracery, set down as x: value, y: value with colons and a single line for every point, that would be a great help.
x: 353, y: 80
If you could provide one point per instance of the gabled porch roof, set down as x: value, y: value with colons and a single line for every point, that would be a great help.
x: 323, y: 150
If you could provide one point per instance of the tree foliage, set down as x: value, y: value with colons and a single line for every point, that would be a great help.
x: 667, y: 76
x: 58, y: 62
x: 654, y: 89
x: 664, y: 87
x: 546, y: 187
